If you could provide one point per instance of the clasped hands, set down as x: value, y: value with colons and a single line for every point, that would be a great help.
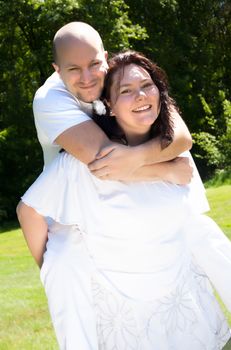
x: 124, y: 163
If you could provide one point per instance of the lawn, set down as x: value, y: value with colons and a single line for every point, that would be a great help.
x: 24, y: 318
x: 220, y: 204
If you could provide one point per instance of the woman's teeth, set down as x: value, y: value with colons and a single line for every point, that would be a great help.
x: 143, y: 108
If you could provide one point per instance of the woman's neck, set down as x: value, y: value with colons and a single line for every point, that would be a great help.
x: 134, y: 139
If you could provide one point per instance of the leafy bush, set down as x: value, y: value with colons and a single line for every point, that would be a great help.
x: 212, y: 149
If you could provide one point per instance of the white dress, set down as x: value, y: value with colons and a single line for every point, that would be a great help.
x: 127, y: 265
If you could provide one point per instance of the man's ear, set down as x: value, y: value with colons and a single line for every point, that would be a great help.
x: 56, y: 67
x: 106, y: 55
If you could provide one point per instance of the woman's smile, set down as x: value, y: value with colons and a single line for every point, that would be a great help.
x: 142, y: 108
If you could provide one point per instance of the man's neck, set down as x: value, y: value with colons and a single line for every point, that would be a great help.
x: 87, y: 107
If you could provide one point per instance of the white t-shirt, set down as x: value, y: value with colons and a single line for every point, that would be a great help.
x: 56, y: 110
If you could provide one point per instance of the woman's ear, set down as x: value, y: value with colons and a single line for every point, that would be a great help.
x: 109, y: 107
x: 159, y: 108
x: 107, y: 103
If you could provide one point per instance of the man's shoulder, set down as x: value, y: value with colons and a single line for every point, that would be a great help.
x: 53, y: 93
x: 52, y: 86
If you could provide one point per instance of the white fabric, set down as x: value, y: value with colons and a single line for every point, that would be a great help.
x: 212, y: 251
x: 134, y: 262
x: 196, y: 190
x: 56, y: 110
x: 66, y: 276
x: 65, y: 170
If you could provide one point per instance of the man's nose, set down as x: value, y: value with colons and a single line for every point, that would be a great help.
x: 85, y: 76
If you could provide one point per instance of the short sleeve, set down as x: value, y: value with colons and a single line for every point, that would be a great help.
x: 56, y: 110
x: 54, y: 194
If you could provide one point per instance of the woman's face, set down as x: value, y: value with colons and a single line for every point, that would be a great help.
x: 135, y: 100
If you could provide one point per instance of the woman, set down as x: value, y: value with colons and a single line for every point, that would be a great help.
x: 127, y: 276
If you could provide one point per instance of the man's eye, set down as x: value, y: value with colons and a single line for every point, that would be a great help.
x: 74, y: 69
x: 95, y: 64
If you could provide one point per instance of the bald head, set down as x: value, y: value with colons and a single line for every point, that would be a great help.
x: 75, y: 34
x: 80, y: 60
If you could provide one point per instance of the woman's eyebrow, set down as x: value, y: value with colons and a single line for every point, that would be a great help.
x: 142, y: 81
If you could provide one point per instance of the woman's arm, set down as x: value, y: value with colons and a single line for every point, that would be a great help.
x: 35, y: 230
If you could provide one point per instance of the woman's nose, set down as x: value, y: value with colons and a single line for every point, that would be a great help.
x: 140, y: 94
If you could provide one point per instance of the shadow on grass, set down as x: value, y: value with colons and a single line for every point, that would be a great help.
x: 8, y: 226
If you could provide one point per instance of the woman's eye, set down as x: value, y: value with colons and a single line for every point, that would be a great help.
x: 126, y: 91
x: 147, y: 85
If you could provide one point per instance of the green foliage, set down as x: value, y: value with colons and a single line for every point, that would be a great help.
x: 221, y: 177
x: 225, y: 139
x: 212, y: 149
x: 113, y: 23
x: 208, y: 149
x: 21, y: 161
x: 172, y: 32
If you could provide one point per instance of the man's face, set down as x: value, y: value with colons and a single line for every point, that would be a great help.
x: 82, y: 67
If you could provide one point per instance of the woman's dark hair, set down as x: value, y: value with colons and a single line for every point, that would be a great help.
x: 163, y: 126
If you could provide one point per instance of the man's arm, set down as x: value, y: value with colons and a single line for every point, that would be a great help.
x: 35, y: 230
x: 178, y: 171
x: 84, y: 141
x: 182, y: 141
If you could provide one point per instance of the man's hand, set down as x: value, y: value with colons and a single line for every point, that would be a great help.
x: 116, y: 162
x: 178, y: 171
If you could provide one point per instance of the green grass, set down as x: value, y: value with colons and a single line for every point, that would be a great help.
x: 24, y: 318
x: 220, y: 204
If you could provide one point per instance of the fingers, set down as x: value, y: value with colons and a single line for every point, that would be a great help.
x: 101, y: 158
x: 97, y: 165
x: 101, y: 173
x: 105, y: 151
